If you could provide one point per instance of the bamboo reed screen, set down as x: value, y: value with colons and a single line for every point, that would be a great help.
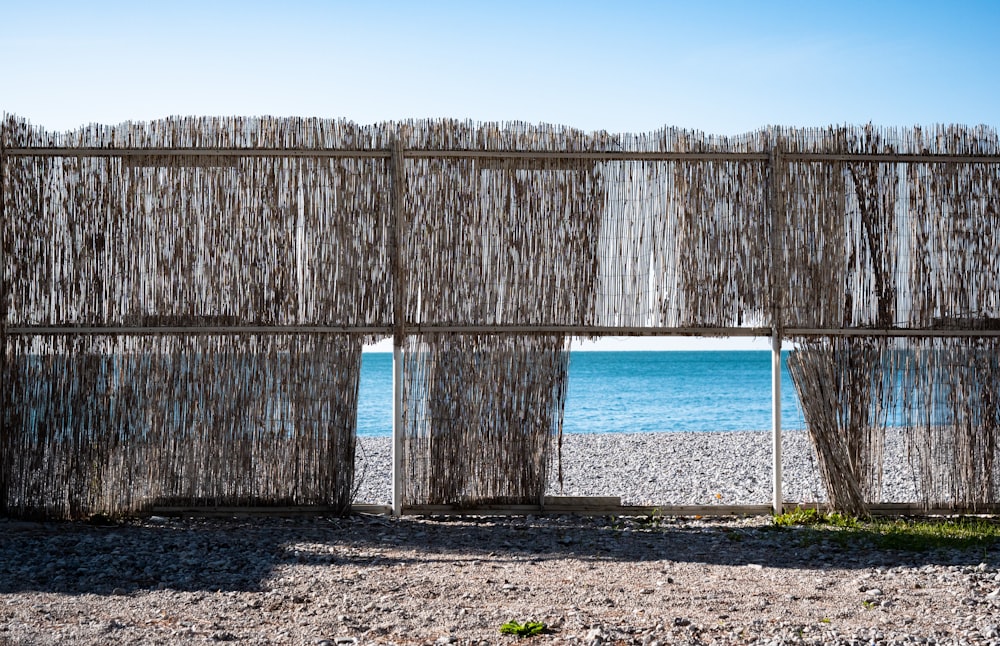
x: 942, y: 394
x: 216, y: 228
x: 482, y: 409
x: 112, y: 424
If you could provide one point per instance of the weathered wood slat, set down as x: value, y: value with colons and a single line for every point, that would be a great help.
x: 583, y: 508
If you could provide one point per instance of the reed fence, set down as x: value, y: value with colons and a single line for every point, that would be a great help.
x: 184, y: 300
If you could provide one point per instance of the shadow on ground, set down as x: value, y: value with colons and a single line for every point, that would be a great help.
x: 242, y: 554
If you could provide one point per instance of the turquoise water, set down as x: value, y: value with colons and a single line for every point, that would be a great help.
x: 630, y: 392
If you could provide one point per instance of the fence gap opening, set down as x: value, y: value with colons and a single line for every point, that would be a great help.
x: 679, y: 421
x: 372, y: 462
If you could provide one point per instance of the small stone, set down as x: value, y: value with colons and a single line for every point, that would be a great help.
x: 873, y: 592
x: 681, y: 621
x: 445, y: 639
x: 345, y: 640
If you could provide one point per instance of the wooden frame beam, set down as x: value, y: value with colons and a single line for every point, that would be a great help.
x: 579, y: 508
x: 597, y: 156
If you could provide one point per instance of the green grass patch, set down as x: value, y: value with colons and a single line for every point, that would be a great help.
x: 903, y: 534
x: 527, y: 629
x: 919, y: 535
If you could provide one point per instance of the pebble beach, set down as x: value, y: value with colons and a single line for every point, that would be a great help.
x: 732, y: 468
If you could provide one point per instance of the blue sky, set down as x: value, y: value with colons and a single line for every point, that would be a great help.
x: 720, y: 67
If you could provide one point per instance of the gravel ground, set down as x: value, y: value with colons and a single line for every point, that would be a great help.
x: 377, y: 580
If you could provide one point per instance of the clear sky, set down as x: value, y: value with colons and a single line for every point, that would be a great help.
x: 721, y: 67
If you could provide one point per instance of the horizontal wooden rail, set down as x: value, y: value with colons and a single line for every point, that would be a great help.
x: 579, y: 506
x: 70, y: 151
x: 891, y: 158
x: 565, y: 330
x: 526, y: 155
x: 588, y: 330
x: 889, y: 332
x: 139, y: 330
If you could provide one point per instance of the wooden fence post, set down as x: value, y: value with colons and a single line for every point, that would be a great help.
x: 398, y: 313
x: 775, y: 173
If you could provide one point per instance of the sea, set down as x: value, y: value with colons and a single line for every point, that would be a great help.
x: 636, y: 392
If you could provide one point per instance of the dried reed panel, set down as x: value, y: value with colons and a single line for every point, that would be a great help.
x: 949, y: 402
x: 111, y: 424
x: 684, y: 243
x: 498, y: 241
x: 954, y: 268
x: 637, y: 272
x: 845, y: 393
x: 511, y: 136
x: 584, y: 241
x: 345, y: 242
x: 177, y: 240
x: 942, y: 393
x: 481, y: 414
x: 492, y: 241
x: 891, y: 244
x: 814, y: 244
x: 842, y: 246
x: 237, y: 240
x: 723, y: 250
x: 897, y: 245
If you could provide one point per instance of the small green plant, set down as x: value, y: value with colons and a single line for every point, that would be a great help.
x: 868, y: 604
x: 798, y: 516
x: 837, y: 519
x: 804, y: 516
x: 527, y: 629
x: 652, y: 520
